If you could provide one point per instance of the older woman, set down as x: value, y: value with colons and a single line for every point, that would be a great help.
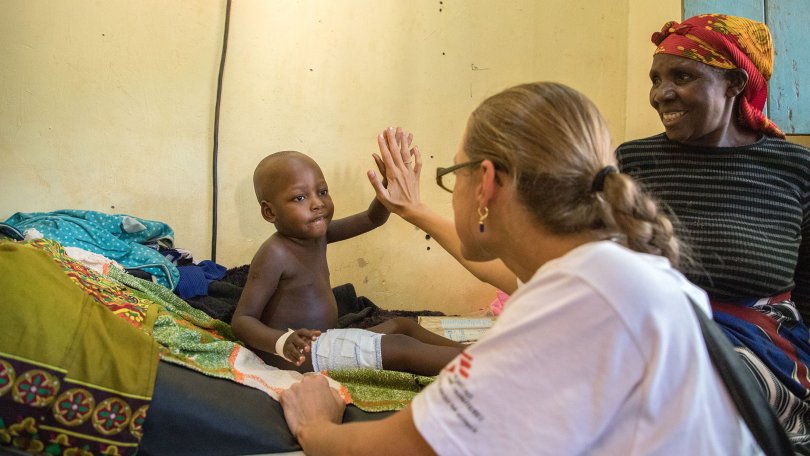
x: 740, y: 193
x: 598, y: 350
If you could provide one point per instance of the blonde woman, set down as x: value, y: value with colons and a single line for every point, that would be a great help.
x: 597, y: 352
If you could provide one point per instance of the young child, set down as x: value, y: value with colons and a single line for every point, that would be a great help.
x: 287, y: 307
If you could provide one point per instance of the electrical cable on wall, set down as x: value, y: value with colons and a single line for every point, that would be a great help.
x: 216, y: 133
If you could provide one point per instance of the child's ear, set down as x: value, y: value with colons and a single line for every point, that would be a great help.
x: 267, y: 212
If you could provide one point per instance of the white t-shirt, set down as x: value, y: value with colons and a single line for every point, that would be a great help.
x: 598, y: 354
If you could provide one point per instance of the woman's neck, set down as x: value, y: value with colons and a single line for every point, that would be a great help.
x: 526, y: 251
x: 733, y: 136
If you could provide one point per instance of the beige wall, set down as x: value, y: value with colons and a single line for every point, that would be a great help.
x: 644, y: 18
x: 109, y: 105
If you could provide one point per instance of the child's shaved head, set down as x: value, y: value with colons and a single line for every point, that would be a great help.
x: 266, y: 170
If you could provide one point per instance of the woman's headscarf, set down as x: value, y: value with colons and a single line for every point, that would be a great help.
x: 727, y: 42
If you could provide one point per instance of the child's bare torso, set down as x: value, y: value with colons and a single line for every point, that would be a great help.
x: 303, y: 297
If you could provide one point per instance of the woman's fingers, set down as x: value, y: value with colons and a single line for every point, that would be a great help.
x: 395, y: 147
x: 417, y: 161
x: 385, y: 152
x: 393, y: 137
x: 310, y: 402
x: 400, y: 166
x: 404, y: 143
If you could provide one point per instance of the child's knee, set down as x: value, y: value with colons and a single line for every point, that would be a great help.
x: 397, y: 342
x: 403, y: 325
x: 399, y: 345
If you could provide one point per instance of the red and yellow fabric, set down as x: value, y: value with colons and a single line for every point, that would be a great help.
x: 727, y: 42
x: 77, y: 361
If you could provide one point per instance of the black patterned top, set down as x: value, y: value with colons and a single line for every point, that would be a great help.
x: 744, y: 211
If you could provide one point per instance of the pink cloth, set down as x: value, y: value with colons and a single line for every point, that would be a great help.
x: 497, y: 304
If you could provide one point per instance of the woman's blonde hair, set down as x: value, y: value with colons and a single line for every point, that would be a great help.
x: 553, y: 141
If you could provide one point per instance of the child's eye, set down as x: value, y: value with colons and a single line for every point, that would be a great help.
x: 323, y: 192
x: 299, y: 198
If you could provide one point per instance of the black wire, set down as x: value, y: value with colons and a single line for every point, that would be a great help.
x: 216, y: 132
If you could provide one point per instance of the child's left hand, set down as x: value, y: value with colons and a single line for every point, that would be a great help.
x: 298, y: 344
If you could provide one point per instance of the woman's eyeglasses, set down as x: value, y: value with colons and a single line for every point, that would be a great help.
x: 446, y: 177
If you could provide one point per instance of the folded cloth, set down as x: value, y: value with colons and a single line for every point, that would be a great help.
x: 772, y: 340
x: 195, y: 278
x: 380, y: 390
x: 10, y: 232
x: 118, y: 237
x: 77, y: 363
x: 220, y: 302
x: 94, y: 261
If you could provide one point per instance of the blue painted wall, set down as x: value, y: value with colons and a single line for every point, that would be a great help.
x: 753, y: 9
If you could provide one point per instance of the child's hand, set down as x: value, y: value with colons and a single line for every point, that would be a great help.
x: 298, y: 344
x: 381, y: 167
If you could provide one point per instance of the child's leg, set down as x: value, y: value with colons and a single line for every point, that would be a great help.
x: 407, y: 326
x: 404, y: 353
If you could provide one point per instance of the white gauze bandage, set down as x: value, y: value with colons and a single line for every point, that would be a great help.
x: 280, y: 344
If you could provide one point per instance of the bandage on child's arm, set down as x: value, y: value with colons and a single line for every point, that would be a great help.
x: 280, y: 344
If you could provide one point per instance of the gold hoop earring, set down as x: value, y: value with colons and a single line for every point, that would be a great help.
x: 482, y: 215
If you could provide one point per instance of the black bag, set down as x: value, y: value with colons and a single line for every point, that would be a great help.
x: 740, y: 383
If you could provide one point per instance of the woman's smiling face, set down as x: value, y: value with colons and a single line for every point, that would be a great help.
x: 694, y: 101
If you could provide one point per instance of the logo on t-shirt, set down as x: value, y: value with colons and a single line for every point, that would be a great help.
x: 454, y: 391
x: 462, y: 364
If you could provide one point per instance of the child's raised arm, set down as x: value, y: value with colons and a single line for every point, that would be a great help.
x: 359, y: 223
x: 376, y: 214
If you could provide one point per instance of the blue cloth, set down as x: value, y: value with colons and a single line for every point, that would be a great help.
x: 118, y: 237
x: 194, y: 279
x: 775, y: 333
x: 10, y: 231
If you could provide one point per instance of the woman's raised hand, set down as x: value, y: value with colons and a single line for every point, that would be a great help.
x: 400, y: 166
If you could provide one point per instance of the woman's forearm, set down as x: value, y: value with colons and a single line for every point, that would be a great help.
x: 392, y: 436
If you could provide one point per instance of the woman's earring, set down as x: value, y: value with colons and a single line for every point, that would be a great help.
x: 482, y: 215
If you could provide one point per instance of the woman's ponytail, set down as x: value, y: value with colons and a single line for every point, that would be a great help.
x: 636, y: 217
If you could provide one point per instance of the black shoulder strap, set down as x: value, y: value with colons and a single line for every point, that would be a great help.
x: 740, y: 383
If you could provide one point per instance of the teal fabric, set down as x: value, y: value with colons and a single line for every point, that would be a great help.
x: 118, y: 237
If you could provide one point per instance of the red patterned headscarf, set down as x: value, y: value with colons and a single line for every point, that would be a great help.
x: 727, y: 42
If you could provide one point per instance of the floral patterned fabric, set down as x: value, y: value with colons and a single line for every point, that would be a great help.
x: 107, y: 292
x: 77, y: 361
